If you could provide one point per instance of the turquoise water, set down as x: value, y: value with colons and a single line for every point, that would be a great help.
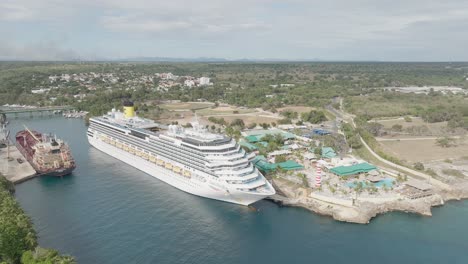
x: 108, y: 212
x: 385, y: 182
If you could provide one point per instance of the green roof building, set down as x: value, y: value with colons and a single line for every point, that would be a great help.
x: 248, y: 145
x: 257, y: 158
x: 290, y: 165
x: 288, y: 135
x: 253, y: 138
x: 328, y: 153
x: 256, y: 135
x: 264, y: 165
x: 353, y: 169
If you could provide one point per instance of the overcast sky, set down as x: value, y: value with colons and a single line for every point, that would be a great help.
x: 392, y: 30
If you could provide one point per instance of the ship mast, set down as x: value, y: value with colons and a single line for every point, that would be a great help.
x: 32, y: 134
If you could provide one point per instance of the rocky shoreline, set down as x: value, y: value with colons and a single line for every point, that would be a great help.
x: 360, y: 211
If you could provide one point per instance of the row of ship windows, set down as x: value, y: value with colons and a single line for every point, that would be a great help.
x: 161, y: 152
x: 92, y: 123
x: 139, y: 146
x: 215, y: 167
x: 236, y: 147
x: 245, y: 181
x: 184, y: 160
x: 175, y: 169
x: 187, y: 156
x: 188, y: 159
x: 211, y: 150
x: 183, y: 147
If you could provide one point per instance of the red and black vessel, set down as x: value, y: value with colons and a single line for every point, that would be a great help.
x: 46, y: 154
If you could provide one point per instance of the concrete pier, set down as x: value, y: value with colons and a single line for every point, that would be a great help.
x: 13, y: 170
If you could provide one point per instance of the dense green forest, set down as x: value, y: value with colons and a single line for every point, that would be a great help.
x: 18, y: 239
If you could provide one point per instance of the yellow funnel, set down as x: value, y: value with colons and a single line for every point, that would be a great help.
x: 129, y: 111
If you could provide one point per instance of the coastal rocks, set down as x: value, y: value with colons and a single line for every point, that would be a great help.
x: 360, y: 211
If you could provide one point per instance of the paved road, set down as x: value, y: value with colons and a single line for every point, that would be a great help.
x: 389, y: 163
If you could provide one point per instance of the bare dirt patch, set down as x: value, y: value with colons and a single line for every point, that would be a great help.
x: 186, y: 105
x: 299, y: 109
x: 224, y: 111
x: 416, y: 121
x: 248, y: 119
x: 424, y: 150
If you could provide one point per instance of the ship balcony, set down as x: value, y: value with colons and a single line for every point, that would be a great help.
x: 249, y: 186
x: 265, y: 190
x: 231, y: 172
x: 243, y: 179
x: 226, y: 157
x: 218, y: 147
x: 213, y: 165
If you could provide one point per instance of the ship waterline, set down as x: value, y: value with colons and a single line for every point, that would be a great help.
x: 46, y: 154
x: 194, y: 161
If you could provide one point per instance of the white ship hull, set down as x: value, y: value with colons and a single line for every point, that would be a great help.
x: 190, y: 185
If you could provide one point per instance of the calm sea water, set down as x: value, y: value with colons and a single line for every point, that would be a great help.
x: 108, y: 212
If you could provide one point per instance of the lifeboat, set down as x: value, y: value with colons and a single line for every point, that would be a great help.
x: 187, y: 173
x: 160, y: 162
x: 152, y: 159
x: 145, y: 156
x: 118, y: 145
x: 139, y: 153
x: 131, y: 150
x: 125, y: 148
x: 168, y: 165
x: 176, y: 169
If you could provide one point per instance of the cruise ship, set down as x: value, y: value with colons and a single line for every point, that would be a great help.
x: 190, y: 159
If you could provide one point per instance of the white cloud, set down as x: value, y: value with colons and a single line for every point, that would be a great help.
x: 135, y: 24
x: 14, y: 12
x: 247, y: 28
x: 145, y: 24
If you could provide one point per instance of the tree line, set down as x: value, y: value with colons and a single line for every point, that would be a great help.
x: 18, y: 239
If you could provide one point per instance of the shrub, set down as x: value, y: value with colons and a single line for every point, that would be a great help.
x: 419, y: 166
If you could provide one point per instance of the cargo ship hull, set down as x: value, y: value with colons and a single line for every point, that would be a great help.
x: 26, y: 142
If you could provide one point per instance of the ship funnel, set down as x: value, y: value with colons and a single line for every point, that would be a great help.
x: 129, y: 109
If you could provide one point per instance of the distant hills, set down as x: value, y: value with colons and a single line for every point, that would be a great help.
x: 170, y: 59
x: 203, y: 59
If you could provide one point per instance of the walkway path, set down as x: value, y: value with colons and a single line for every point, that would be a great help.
x: 431, y: 180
